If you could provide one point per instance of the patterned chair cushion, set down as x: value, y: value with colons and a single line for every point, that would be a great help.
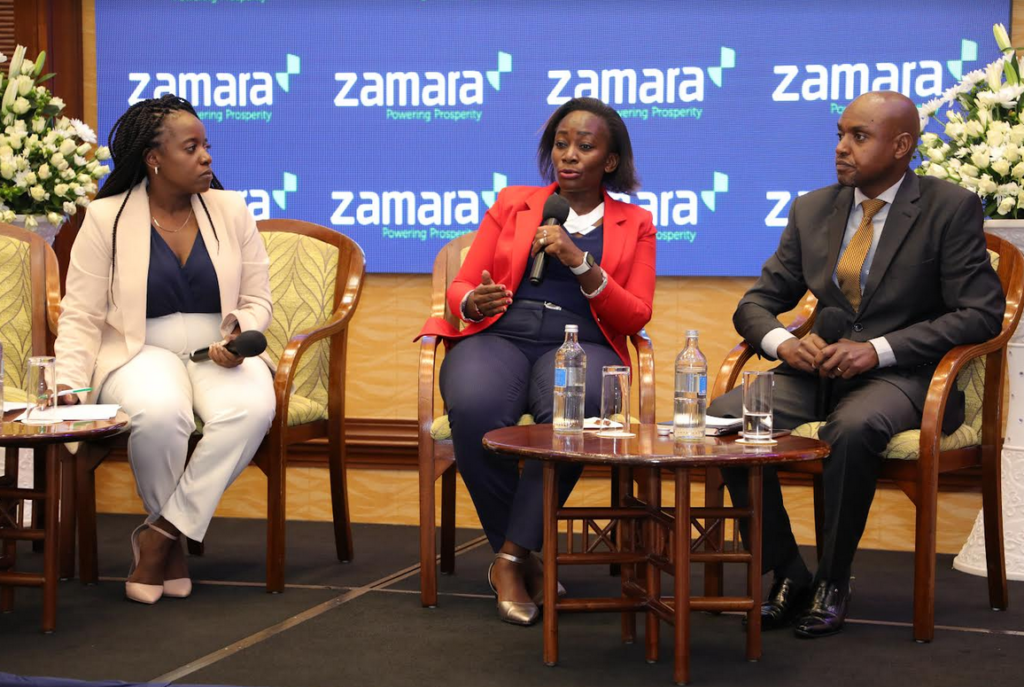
x: 15, y: 310
x: 13, y: 394
x: 302, y: 279
x: 302, y: 276
x: 907, y: 445
x: 300, y: 411
x: 440, y: 430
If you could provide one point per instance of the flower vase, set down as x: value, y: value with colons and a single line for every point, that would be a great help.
x: 43, y: 227
x: 971, y: 558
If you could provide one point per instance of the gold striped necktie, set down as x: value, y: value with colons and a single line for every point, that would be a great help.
x: 851, y: 264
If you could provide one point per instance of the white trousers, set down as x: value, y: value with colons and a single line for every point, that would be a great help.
x: 160, y: 389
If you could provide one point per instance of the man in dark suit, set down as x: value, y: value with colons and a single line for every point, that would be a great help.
x: 901, y: 261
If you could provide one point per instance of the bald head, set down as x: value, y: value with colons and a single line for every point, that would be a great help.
x: 878, y: 135
x: 894, y: 110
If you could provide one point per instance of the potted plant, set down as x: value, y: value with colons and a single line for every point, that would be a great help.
x: 49, y: 164
x: 982, y: 148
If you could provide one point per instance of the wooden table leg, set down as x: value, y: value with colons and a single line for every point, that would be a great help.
x: 550, y: 563
x: 8, y: 557
x: 681, y: 564
x: 9, y: 550
x: 754, y: 569
x: 51, y: 568
x: 627, y: 542
x: 67, y: 514
x: 38, y: 508
x: 652, y: 544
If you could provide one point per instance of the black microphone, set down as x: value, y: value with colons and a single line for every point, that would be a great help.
x: 830, y: 324
x: 556, y: 211
x: 246, y: 344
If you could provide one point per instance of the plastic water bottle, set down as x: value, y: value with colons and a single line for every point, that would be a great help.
x: 691, y: 392
x: 570, y: 383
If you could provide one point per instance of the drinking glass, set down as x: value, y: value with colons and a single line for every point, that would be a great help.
x: 757, y: 406
x: 614, y: 401
x: 40, y: 383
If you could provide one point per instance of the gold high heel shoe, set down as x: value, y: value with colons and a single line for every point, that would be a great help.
x: 179, y: 587
x: 514, y: 612
x: 137, y: 591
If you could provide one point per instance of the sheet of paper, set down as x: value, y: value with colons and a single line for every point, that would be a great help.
x: 82, y: 412
x: 719, y: 422
x: 14, y: 405
x: 595, y: 423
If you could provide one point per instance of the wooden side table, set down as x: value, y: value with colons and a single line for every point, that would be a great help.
x: 46, y: 440
x: 665, y: 543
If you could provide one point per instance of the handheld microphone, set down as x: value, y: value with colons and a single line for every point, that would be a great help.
x: 246, y: 344
x: 556, y: 211
x: 830, y: 324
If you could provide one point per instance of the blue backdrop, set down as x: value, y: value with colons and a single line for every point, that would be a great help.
x: 395, y: 122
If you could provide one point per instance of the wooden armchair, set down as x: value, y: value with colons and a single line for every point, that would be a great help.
x: 29, y: 293
x: 316, y: 278
x: 914, y: 459
x: 436, y: 455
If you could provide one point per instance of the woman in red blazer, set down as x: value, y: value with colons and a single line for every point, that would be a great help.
x: 599, y: 276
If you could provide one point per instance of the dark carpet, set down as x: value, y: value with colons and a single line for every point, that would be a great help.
x: 383, y: 636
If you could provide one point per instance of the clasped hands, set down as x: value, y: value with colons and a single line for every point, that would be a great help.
x: 844, y: 359
x: 490, y: 299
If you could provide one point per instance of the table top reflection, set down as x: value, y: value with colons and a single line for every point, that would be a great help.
x: 648, y: 448
x: 18, y: 434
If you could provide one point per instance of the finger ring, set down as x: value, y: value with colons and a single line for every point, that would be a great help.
x: 838, y: 371
x: 543, y: 240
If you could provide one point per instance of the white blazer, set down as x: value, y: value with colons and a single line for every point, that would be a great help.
x: 103, y: 314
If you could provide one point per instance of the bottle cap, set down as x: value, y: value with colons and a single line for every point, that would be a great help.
x: 572, y: 328
x: 691, y: 332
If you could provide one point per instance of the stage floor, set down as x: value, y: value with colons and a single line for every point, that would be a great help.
x: 361, y: 624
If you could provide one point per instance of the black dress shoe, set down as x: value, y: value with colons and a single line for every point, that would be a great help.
x: 786, y: 599
x: 827, y: 611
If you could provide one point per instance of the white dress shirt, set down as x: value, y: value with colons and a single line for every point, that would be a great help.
x: 886, y: 358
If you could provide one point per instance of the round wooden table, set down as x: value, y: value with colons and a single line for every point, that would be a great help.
x: 642, y: 558
x: 56, y: 493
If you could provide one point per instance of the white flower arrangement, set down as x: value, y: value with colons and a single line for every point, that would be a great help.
x: 49, y: 164
x: 983, y: 148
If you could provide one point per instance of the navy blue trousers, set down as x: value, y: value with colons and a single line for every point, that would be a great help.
x: 490, y: 380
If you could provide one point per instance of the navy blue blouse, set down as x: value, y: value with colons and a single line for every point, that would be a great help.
x: 173, y: 287
x: 560, y: 285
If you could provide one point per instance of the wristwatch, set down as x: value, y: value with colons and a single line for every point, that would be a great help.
x: 585, y: 266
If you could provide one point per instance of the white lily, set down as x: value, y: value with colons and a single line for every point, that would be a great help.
x: 1002, y: 38
x: 17, y: 58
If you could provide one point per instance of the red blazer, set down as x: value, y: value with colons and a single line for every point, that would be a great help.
x: 502, y: 247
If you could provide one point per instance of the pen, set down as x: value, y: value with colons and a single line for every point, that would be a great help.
x: 67, y: 392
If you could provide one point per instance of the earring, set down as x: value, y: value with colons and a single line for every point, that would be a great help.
x: 156, y: 170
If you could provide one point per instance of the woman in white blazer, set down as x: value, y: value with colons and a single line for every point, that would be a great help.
x: 167, y: 262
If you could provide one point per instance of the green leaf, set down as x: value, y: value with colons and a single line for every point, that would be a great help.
x: 37, y: 70
x: 1010, y: 69
x: 45, y: 78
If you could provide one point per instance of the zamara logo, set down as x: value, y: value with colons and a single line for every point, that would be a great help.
x: 629, y: 86
x: 919, y: 80
x: 416, y: 89
x: 416, y: 215
x: 221, y: 89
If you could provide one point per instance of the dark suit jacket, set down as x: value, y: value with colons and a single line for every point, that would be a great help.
x: 931, y: 285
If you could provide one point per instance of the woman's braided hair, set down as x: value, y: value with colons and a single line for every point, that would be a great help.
x: 134, y: 133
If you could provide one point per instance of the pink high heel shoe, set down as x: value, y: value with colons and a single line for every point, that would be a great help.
x: 137, y: 591
x: 179, y: 587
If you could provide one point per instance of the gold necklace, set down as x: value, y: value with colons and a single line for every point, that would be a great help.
x: 172, y: 231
